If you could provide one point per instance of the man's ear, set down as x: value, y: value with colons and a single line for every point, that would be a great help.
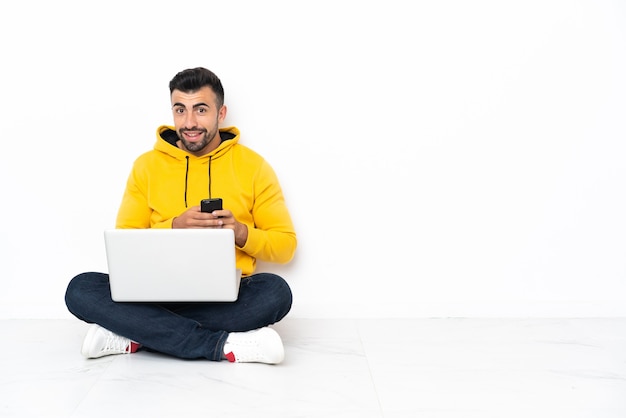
x: 222, y: 113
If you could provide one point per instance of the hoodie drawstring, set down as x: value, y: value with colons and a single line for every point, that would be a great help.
x: 210, y: 157
x: 186, y: 178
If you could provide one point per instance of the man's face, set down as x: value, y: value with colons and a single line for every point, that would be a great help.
x: 197, y: 119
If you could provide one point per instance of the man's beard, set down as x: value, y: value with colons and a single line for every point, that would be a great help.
x: 200, y: 145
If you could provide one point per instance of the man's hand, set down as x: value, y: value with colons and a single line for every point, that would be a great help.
x: 195, y: 218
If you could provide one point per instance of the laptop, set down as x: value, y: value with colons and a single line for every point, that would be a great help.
x: 172, y: 265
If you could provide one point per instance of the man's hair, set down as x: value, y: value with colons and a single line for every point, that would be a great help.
x: 193, y: 79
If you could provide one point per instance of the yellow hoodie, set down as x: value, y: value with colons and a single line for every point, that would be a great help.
x: 165, y: 181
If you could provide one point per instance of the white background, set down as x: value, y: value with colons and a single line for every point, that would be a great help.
x: 440, y: 158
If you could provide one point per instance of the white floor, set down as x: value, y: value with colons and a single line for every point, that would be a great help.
x: 427, y: 368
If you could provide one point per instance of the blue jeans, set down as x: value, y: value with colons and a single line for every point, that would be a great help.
x: 185, y: 330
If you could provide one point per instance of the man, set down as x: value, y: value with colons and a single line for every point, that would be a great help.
x: 164, y: 189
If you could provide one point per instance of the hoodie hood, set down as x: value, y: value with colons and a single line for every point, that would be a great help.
x: 166, y: 143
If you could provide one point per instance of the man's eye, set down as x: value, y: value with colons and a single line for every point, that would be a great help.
x: 201, y: 110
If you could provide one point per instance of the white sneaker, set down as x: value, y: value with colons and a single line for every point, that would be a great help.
x: 102, y: 342
x: 261, y: 345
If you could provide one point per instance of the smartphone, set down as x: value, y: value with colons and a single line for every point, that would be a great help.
x: 209, y: 205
